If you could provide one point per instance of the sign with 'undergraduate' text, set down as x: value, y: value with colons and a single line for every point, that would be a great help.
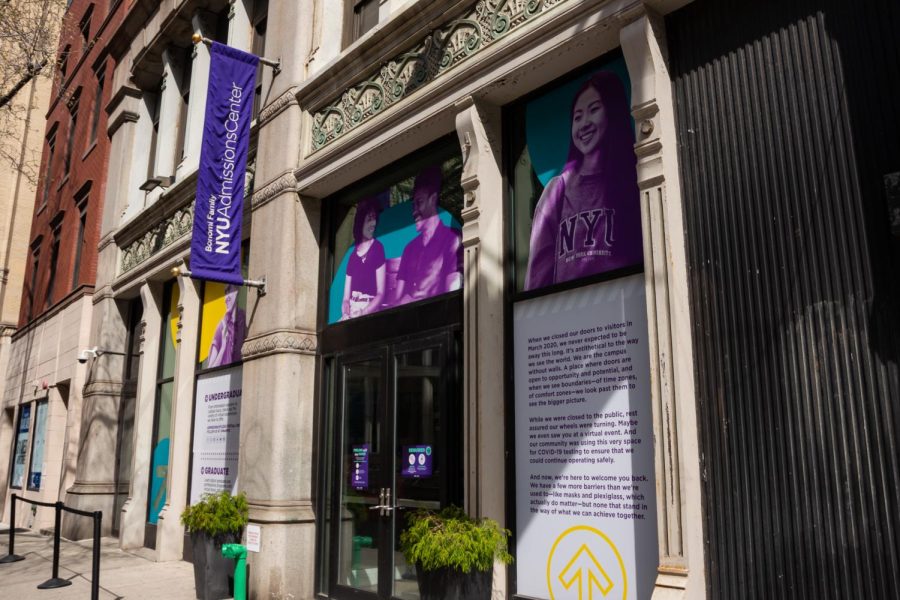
x: 217, y: 433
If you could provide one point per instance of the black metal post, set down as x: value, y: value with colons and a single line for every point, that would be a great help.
x: 12, y: 556
x: 95, y: 566
x: 55, y: 582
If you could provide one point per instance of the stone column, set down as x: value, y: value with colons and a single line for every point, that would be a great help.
x: 239, y: 29
x: 277, y: 411
x: 134, y: 512
x: 478, y: 127
x: 95, y: 485
x: 129, y: 122
x: 95, y: 476
x: 169, y: 107
x: 203, y: 24
x: 679, y: 511
x: 170, y: 531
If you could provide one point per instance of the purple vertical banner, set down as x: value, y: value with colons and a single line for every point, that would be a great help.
x: 218, y: 209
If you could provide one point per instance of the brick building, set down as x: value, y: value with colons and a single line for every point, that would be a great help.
x: 44, y: 378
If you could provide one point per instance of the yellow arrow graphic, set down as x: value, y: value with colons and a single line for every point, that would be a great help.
x: 593, y: 568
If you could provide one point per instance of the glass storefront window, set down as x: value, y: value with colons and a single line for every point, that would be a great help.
x: 37, y: 448
x: 165, y: 386
x: 576, y: 206
x: 21, y: 447
x: 398, y: 238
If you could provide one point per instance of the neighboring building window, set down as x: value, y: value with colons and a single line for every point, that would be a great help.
x: 70, y: 139
x: 35, y: 268
x: 81, y: 202
x: 365, y: 17
x: 85, y: 27
x: 54, y: 258
x: 36, y: 465
x: 258, y: 47
x: 64, y: 62
x: 23, y: 427
x: 51, y: 152
x: 185, y: 89
x: 98, y: 104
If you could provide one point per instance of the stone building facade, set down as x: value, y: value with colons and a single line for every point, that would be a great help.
x: 386, y: 126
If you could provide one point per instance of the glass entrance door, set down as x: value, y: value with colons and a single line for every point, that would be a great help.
x: 398, y: 451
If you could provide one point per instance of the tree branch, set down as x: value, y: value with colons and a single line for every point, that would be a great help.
x: 30, y: 73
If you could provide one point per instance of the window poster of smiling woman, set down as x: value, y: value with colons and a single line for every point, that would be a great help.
x: 576, y: 181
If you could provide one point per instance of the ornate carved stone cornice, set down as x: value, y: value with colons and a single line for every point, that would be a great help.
x: 282, y: 340
x: 286, y: 182
x: 160, y: 236
x: 440, y: 51
x: 275, y: 108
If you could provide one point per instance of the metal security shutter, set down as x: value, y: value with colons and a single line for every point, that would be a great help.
x: 788, y: 122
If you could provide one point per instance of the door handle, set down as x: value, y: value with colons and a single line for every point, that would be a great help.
x: 387, y: 508
x: 382, y: 503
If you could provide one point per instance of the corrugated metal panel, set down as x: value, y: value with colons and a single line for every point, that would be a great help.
x: 788, y: 122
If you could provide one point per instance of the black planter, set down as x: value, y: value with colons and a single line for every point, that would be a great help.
x: 213, y: 573
x: 450, y: 584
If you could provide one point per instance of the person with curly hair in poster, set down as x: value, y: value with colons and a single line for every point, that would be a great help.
x: 364, y: 284
x: 588, y: 219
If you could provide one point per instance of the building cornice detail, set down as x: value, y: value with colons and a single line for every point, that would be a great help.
x: 280, y: 341
x: 486, y: 22
x: 277, y: 106
x: 160, y: 236
x: 286, y: 182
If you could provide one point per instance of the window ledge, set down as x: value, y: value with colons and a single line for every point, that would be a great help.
x: 89, y: 150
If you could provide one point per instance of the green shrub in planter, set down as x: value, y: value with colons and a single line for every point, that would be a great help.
x: 453, y: 553
x: 217, y: 519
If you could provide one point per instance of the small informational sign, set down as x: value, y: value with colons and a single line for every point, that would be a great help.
x: 217, y: 424
x: 254, y: 534
x: 359, y: 475
x: 418, y: 461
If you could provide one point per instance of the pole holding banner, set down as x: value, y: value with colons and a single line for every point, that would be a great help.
x: 274, y: 63
x: 259, y: 284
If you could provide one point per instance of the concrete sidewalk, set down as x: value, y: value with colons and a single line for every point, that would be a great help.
x: 123, y: 574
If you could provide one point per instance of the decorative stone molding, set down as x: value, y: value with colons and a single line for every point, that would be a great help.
x: 440, y: 51
x: 285, y: 183
x: 105, y: 241
x: 103, y: 388
x: 281, y: 511
x: 282, y: 340
x: 273, y: 109
x: 164, y: 234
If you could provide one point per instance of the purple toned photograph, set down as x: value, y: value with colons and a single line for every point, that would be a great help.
x: 588, y: 219
x: 365, y: 282
x: 230, y: 332
x: 403, y: 250
x: 431, y: 263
